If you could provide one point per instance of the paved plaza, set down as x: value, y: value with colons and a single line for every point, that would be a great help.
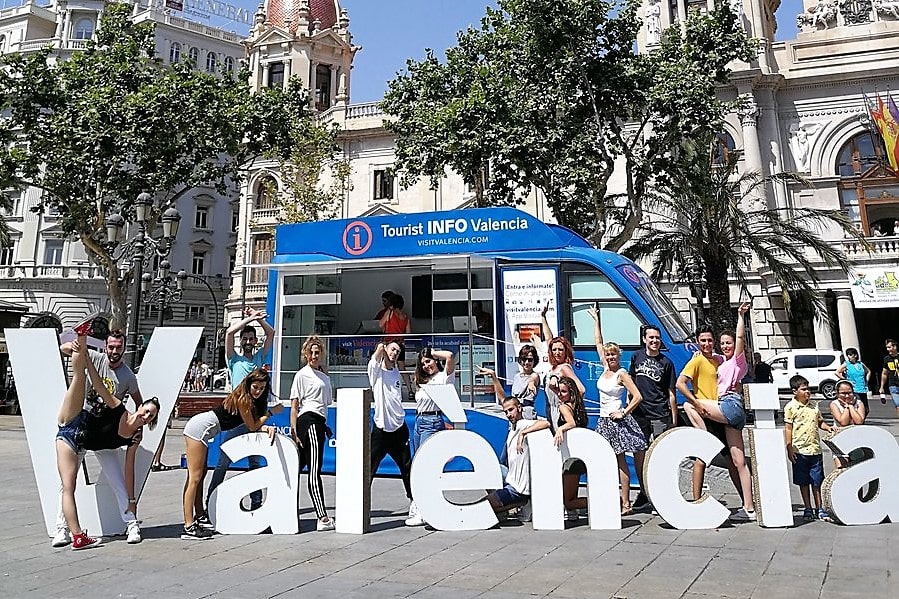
x: 646, y: 558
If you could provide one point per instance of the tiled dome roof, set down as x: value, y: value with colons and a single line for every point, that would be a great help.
x: 279, y: 12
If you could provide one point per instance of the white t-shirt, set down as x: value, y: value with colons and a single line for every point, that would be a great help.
x: 313, y: 389
x: 387, y: 389
x: 519, y: 476
x: 423, y: 401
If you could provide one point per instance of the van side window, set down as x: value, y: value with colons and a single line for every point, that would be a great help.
x: 779, y: 364
x: 806, y: 361
x: 619, y: 321
x: 825, y: 360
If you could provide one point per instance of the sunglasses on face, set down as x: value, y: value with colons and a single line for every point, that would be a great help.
x: 527, y: 361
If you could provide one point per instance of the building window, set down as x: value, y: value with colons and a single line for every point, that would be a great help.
x: 195, y: 313
x: 869, y: 189
x: 232, y: 262
x: 263, y: 251
x: 383, y: 185
x: 212, y: 62
x: 235, y: 220
x: 7, y: 254
x: 198, y: 264
x: 193, y: 54
x: 175, y: 52
x: 53, y: 251
x: 84, y: 29
x: 276, y: 74
x: 724, y: 145
x: 150, y: 311
x: 322, y: 87
x: 266, y: 193
x: 2, y: 43
x: 201, y: 217
x: 229, y: 65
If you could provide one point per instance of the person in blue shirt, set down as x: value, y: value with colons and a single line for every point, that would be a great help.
x: 240, y: 364
x: 857, y: 373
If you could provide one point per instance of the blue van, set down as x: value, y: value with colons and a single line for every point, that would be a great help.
x: 476, y: 281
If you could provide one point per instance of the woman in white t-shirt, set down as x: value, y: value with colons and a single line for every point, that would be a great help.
x: 428, y: 416
x: 310, y: 396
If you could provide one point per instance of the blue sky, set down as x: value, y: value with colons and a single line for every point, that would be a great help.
x: 391, y: 31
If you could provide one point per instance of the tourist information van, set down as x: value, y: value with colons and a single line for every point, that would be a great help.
x: 474, y: 281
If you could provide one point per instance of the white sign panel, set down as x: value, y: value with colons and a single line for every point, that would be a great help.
x: 875, y: 287
x: 526, y: 291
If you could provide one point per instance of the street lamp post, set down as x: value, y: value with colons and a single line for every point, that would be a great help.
x: 162, y: 247
x: 215, y: 306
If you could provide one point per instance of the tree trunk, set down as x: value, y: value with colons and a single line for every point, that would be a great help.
x: 116, y: 287
x: 719, y: 298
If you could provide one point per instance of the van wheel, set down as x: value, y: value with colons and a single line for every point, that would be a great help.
x: 828, y: 389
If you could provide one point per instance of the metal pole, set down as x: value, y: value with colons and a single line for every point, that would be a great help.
x: 215, y: 304
x: 137, y: 268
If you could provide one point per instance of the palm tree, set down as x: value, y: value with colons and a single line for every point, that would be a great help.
x: 701, y: 228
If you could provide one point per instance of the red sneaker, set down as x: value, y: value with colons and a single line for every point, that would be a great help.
x: 83, y: 541
x: 84, y: 328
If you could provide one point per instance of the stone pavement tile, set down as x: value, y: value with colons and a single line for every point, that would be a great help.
x: 331, y: 586
x: 718, y: 537
x: 670, y: 574
x: 783, y: 585
x: 440, y: 591
x: 729, y: 575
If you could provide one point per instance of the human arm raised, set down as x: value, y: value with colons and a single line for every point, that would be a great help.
x: 545, y: 330
x: 741, y: 329
x: 236, y: 327
x: 597, y: 334
x: 497, y: 386
x: 447, y: 357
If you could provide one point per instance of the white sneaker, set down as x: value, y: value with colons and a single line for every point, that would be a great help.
x: 741, y: 515
x: 325, y: 524
x: 413, y: 509
x: 62, y: 537
x: 133, y: 533
x: 415, y: 520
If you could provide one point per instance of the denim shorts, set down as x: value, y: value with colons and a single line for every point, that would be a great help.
x: 70, y: 432
x: 808, y: 470
x: 731, y: 405
x: 509, y: 496
x: 894, y: 393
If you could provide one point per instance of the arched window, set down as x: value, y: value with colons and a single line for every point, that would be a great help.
x: 84, y: 29
x: 175, y: 52
x: 193, y: 54
x: 211, y: 62
x: 869, y: 188
x: 724, y: 145
x: 229, y: 65
x: 266, y: 193
x: 2, y: 43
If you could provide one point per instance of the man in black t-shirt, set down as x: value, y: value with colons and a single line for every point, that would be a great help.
x: 762, y: 372
x: 653, y: 373
x: 889, y: 378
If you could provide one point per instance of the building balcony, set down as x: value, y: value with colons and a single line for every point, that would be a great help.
x: 881, y: 248
x: 51, y: 271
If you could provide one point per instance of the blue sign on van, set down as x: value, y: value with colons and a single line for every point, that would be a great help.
x: 451, y: 232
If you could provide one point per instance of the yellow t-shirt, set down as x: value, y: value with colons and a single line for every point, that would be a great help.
x: 703, y: 374
x: 805, y: 420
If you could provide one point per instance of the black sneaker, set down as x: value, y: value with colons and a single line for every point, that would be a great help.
x: 205, y: 522
x: 195, y: 532
x: 641, y: 502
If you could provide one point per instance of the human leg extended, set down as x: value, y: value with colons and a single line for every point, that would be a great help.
x: 738, y: 456
x: 73, y: 400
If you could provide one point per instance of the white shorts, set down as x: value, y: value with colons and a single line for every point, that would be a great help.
x: 203, y: 427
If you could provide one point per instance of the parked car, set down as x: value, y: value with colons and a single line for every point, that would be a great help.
x: 819, y: 366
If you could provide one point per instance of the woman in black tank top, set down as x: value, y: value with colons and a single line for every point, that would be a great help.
x: 79, y: 431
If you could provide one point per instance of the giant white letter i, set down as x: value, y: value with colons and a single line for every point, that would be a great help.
x: 41, y: 384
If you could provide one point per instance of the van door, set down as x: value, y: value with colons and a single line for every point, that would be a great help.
x: 781, y: 372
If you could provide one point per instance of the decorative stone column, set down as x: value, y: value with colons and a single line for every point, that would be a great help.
x: 846, y: 319
x: 823, y: 337
x: 752, y: 155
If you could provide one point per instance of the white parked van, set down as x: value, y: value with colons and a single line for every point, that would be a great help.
x: 819, y: 366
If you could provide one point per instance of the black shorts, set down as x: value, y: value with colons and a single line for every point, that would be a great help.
x: 652, y: 426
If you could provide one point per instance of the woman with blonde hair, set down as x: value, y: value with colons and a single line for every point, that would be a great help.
x: 246, y: 404
x: 310, y: 396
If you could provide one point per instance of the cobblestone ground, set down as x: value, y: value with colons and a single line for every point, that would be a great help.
x: 645, y: 559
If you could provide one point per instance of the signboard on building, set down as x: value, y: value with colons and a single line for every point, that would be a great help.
x: 875, y: 287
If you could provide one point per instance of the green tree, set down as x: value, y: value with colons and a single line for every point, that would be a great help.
x: 95, y: 131
x: 552, y: 94
x: 710, y: 220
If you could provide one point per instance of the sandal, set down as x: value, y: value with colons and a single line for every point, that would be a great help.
x: 627, y: 510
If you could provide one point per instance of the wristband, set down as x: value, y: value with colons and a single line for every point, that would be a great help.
x: 132, y: 500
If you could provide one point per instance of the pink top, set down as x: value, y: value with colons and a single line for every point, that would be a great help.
x: 731, y: 372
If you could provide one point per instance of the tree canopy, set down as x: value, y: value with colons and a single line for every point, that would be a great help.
x: 94, y: 131
x: 552, y: 94
x: 704, y: 232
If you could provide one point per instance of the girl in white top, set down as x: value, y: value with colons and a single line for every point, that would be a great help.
x: 428, y: 417
x: 615, y: 422
x: 310, y: 396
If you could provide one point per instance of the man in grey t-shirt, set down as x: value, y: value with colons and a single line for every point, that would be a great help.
x: 118, y: 377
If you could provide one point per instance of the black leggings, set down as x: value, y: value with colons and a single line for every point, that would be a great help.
x: 311, y: 433
x: 396, y: 445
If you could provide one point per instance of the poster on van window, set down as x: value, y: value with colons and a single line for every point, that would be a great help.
x: 875, y: 287
x: 526, y: 292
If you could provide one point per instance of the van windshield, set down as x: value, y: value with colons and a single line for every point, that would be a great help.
x: 668, y: 316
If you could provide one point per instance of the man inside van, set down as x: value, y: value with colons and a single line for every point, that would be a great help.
x: 653, y: 373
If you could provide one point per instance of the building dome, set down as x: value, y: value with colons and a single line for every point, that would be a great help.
x: 286, y: 13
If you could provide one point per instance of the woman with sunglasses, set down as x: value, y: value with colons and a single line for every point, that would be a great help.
x: 524, y: 383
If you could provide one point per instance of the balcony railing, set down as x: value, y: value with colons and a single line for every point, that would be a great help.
x: 48, y: 271
x: 881, y: 247
x: 266, y: 213
x: 38, y: 44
